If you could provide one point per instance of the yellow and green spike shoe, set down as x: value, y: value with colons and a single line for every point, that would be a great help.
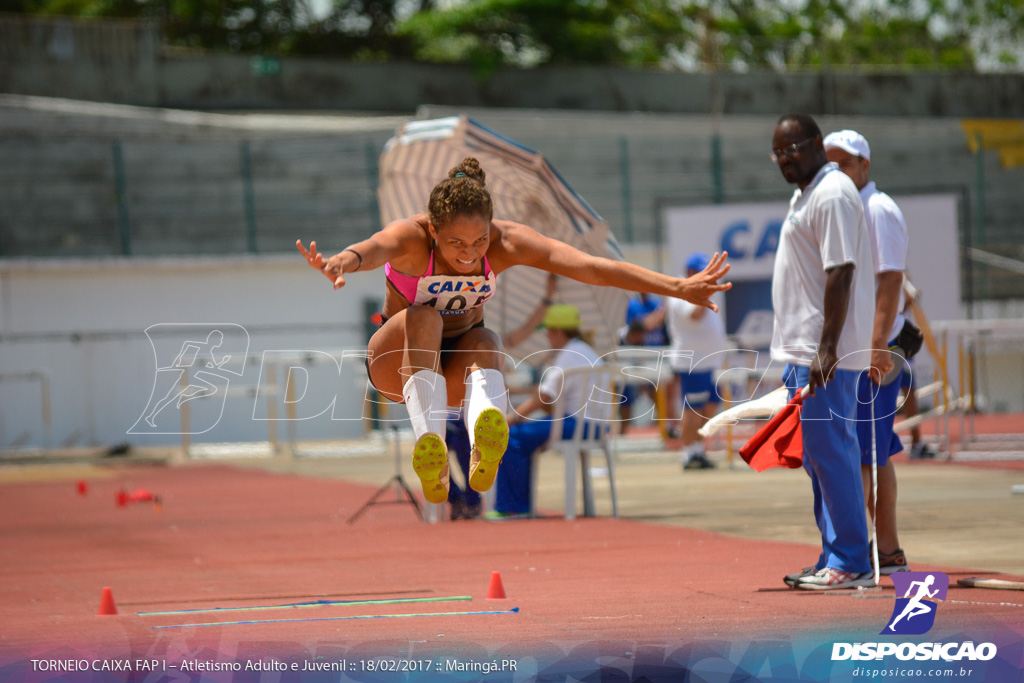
x: 490, y: 439
x: 430, y: 462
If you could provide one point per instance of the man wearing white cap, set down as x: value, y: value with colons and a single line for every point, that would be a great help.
x: 889, y: 245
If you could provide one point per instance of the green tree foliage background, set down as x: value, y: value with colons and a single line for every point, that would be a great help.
x: 686, y: 34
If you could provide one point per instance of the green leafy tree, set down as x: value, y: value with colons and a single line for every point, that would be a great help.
x: 489, y: 33
x: 688, y: 34
x: 737, y: 34
x: 351, y: 28
x: 362, y: 29
x: 816, y: 33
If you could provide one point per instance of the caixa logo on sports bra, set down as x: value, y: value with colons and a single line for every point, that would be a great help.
x: 466, y: 286
x: 452, y: 296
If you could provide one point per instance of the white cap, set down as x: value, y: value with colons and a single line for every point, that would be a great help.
x: 849, y: 141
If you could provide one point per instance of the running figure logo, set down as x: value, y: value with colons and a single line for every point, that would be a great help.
x: 192, y: 364
x: 914, y: 613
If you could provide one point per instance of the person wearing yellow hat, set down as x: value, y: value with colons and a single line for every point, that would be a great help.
x: 465, y: 503
x: 530, y: 421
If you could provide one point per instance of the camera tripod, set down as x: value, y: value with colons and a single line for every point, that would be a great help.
x: 396, y: 482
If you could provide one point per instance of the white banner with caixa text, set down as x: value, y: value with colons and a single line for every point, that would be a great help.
x: 750, y: 233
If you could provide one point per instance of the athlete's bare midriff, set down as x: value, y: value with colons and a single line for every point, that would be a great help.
x: 453, y: 326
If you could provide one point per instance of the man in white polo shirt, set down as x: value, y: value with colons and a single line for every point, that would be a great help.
x: 877, y: 402
x: 823, y: 301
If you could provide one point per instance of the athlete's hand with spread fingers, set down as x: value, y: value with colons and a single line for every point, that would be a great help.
x: 699, y: 288
x: 330, y: 267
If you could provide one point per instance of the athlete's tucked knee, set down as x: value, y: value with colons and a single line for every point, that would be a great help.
x: 422, y: 316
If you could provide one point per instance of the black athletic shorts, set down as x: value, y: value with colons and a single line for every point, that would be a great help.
x: 447, y: 346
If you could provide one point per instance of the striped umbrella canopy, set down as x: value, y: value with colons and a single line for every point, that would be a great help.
x: 524, y: 188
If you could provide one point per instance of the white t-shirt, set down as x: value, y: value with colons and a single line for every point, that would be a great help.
x: 697, y: 345
x: 889, y: 239
x: 825, y: 228
x: 576, y: 353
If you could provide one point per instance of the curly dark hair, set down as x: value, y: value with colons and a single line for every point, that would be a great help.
x: 462, y: 193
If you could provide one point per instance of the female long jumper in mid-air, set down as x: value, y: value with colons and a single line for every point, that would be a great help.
x: 433, y: 350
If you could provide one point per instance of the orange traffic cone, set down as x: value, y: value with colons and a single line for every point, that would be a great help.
x: 107, y: 604
x: 496, y: 591
x: 83, y: 488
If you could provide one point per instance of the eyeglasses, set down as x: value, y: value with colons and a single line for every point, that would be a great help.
x: 788, y: 150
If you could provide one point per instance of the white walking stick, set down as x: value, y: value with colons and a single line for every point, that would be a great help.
x: 874, y: 494
x: 898, y: 358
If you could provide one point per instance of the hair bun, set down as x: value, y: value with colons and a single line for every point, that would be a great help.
x: 454, y: 196
x: 469, y: 168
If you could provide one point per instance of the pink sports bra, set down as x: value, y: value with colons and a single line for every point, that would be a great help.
x: 449, y: 294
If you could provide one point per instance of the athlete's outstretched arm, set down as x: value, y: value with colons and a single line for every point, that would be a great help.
x: 521, y: 245
x: 385, y: 245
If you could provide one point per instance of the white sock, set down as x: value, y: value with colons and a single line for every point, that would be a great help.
x: 426, y: 397
x: 486, y: 388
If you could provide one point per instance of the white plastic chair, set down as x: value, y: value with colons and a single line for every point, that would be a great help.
x: 598, y: 413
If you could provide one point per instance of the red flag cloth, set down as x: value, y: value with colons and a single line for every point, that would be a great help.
x: 140, y: 496
x: 780, y: 442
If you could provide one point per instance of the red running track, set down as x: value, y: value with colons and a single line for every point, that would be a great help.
x: 231, y: 537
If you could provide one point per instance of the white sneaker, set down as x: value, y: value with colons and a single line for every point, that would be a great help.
x: 828, y: 579
x: 792, y: 579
